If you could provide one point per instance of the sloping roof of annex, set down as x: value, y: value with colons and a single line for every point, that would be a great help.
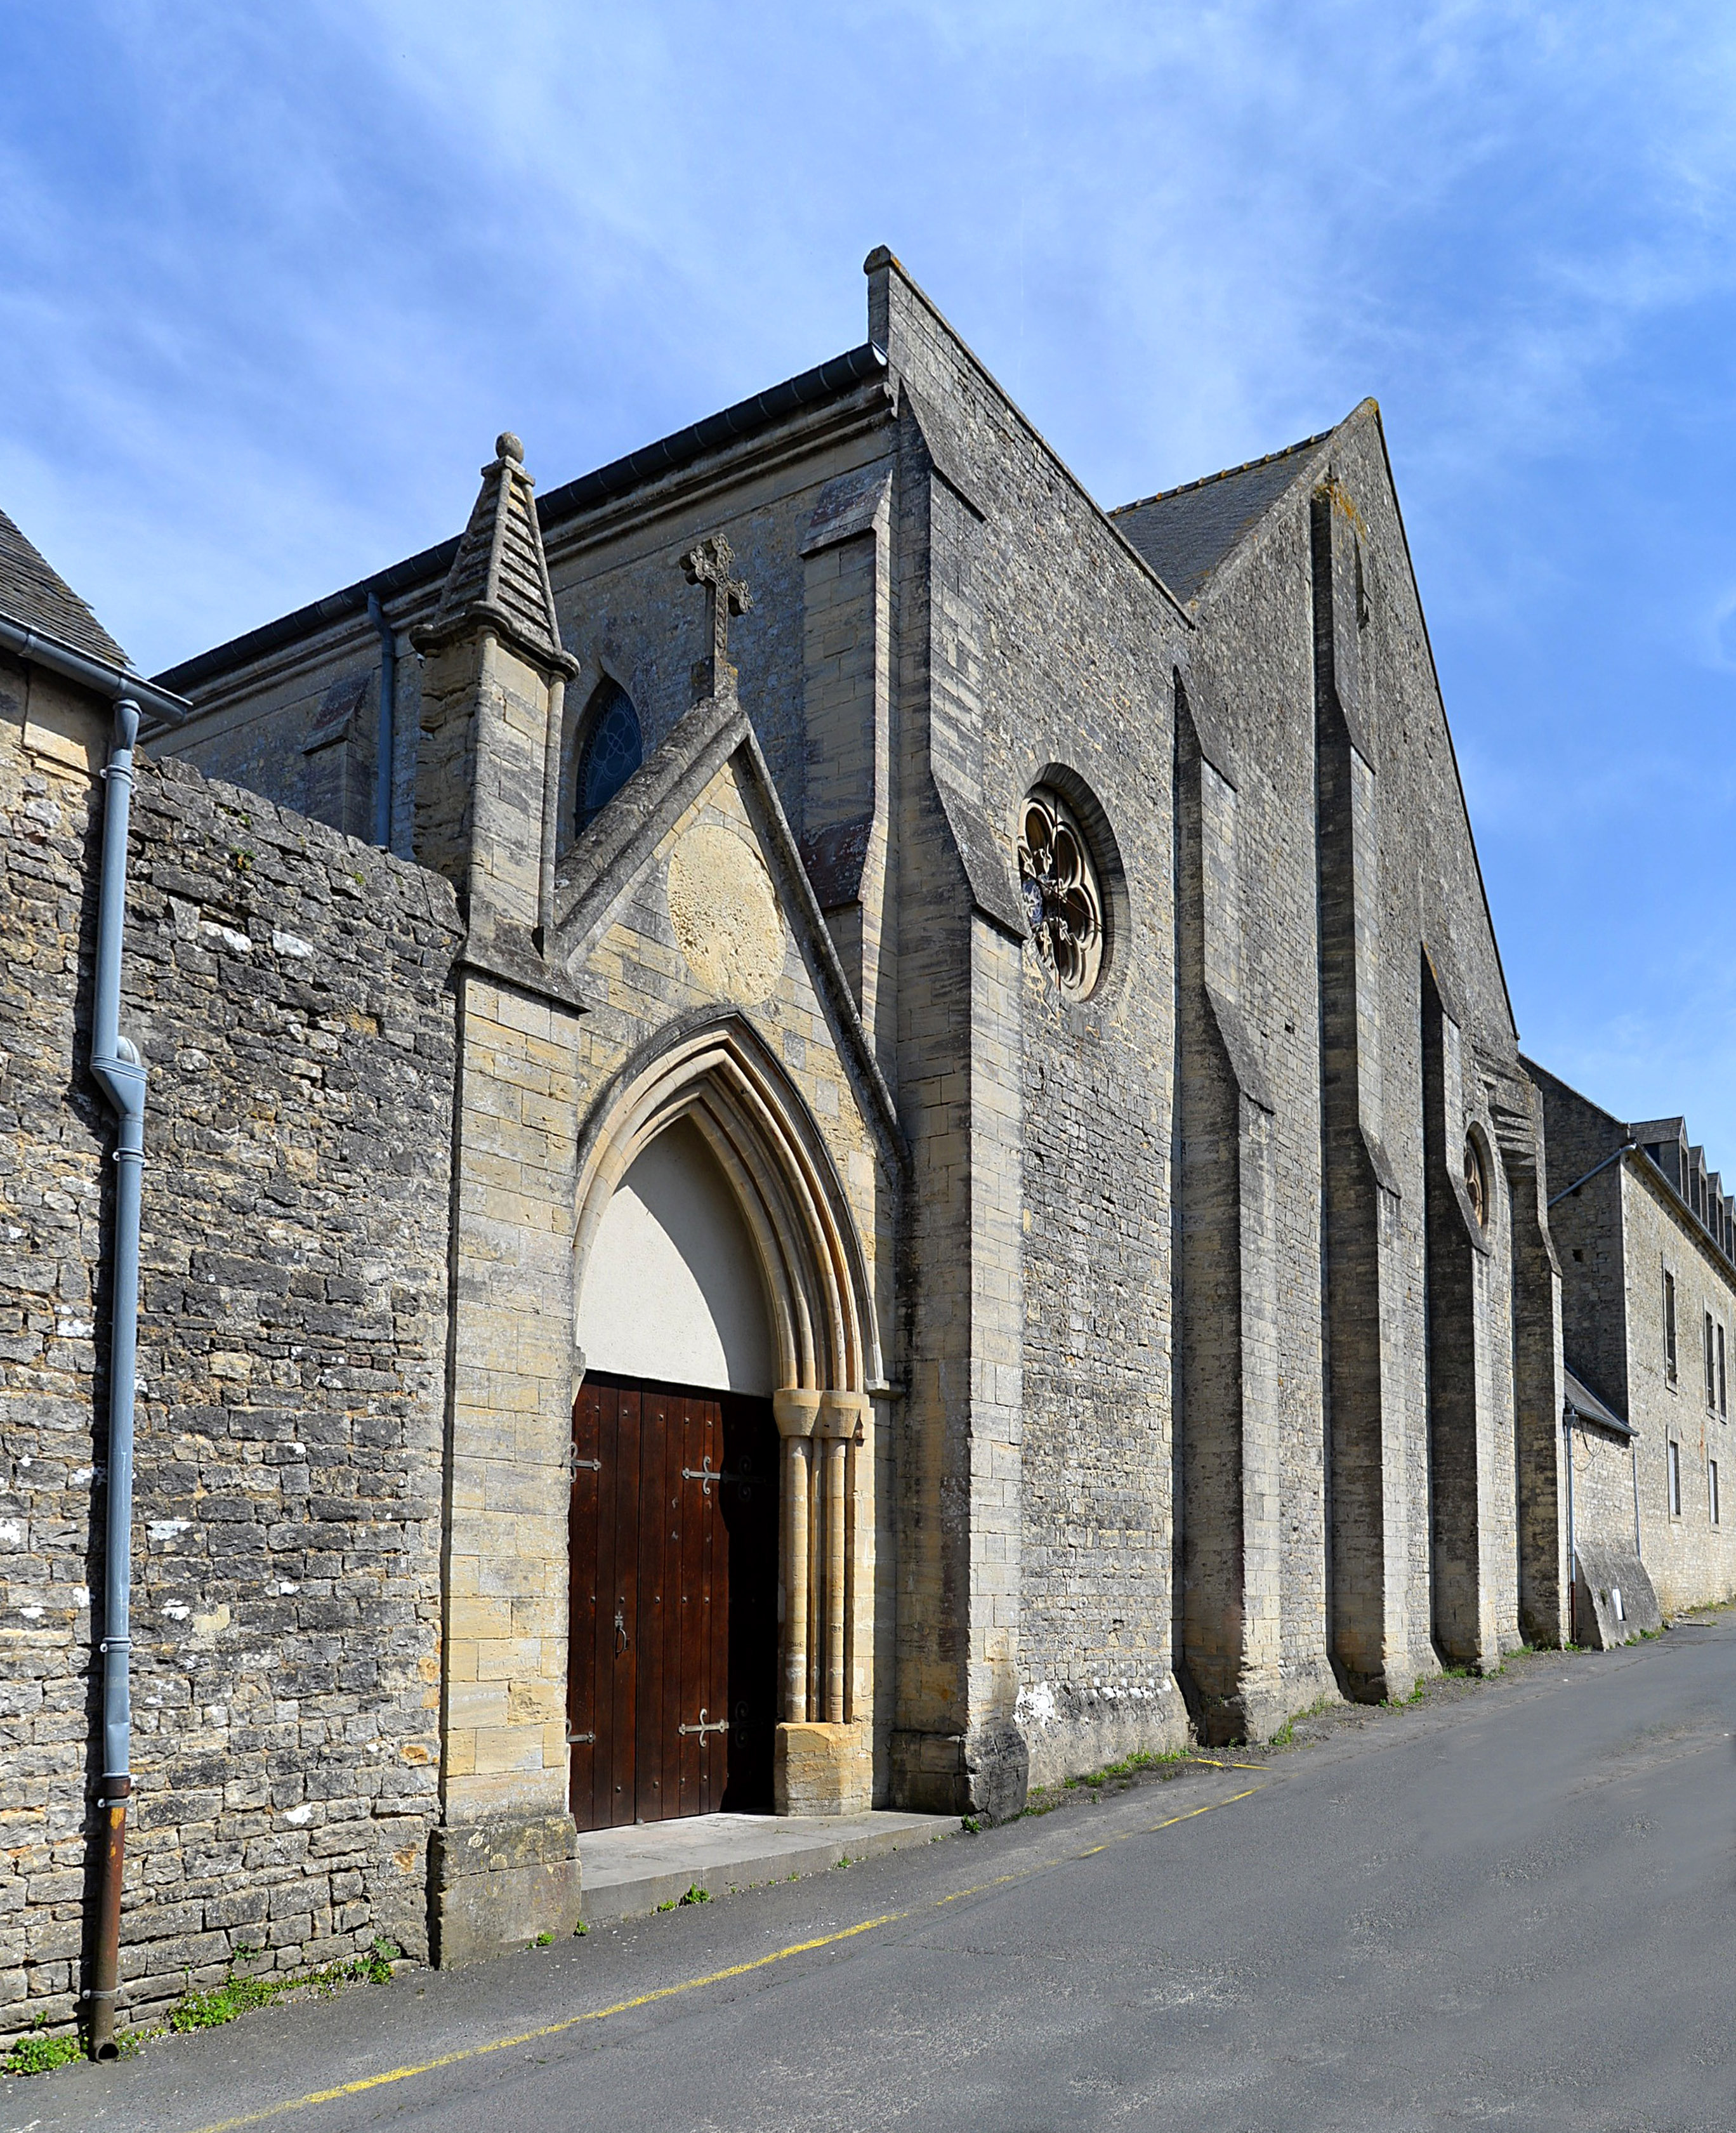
x: 33, y: 592
x: 1626, y: 1140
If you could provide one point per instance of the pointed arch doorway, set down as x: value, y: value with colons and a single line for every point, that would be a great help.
x: 717, y: 1261
x: 672, y: 1677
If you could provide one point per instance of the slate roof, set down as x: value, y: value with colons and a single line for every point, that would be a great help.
x: 1185, y: 533
x: 1586, y: 1404
x: 34, y: 593
x: 747, y: 418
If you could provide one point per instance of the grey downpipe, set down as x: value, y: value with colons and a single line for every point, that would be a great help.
x: 1633, y: 1449
x: 1573, y: 1539
x: 115, y: 1064
x: 1627, y: 1147
x: 386, y: 741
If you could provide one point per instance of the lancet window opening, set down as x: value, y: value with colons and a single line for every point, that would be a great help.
x: 613, y: 748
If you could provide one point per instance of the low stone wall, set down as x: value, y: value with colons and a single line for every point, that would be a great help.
x: 288, y: 987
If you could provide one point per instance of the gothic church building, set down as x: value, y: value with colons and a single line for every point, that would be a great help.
x: 975, y: 1204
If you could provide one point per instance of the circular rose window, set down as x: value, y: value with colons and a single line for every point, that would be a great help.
x: 1477, y: 1185
x: 1063, y: 899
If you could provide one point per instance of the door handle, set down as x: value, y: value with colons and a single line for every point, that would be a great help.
x: 620, y: 1632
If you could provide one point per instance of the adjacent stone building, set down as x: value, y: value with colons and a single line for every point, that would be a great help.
x: 1646, y: 1237
x: 969, y: 1202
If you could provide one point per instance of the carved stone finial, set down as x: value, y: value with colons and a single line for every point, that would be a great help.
x: 707, y: 563
x: 507, y: 447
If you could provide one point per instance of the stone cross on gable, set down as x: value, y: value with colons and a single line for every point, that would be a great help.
x: 707, y: 563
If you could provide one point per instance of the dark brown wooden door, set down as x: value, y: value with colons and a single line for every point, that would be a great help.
x: 673, y: 1662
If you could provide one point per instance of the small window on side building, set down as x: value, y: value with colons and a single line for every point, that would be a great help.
x: 1711, y: 1363
x: 1674, y: 1454
x: 1670, y: 1325
x: 1712, y: 1489
x: 1723, y: 1383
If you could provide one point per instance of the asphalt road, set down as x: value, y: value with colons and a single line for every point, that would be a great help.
x: 1511, y: 1903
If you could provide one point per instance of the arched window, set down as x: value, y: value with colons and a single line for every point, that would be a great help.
x: 614, y: 749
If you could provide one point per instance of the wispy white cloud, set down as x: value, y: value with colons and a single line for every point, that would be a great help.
x: 271, y: 280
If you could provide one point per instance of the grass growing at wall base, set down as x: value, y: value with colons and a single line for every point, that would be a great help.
x: 34, y: 2053
x: 1044, y: 1799
x: 237, y: 1995
x: 1285, y: 1736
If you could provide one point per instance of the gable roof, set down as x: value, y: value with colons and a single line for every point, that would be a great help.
x: 33, y: 592
x: 1185, y: 533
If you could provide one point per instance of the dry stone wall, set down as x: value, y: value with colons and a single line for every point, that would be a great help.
x: 288, y: 989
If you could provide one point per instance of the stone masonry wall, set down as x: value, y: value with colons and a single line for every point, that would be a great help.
x: 1604, y: 1494
x: 287, y: 988
x: 1691, y: 1558
x: 1255, y: 627
x: 1255, y: 659
x: 1618, y: 1234
x: 1052, y: 650
x: 1586, y: 1224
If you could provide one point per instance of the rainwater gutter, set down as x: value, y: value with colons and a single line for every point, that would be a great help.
x: 72, y: 665
x: 116, y: 1067
x: 386, y: 742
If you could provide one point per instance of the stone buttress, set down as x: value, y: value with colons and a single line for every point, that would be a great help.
x: 504, y: 1863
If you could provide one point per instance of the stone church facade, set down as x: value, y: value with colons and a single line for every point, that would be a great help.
x: 912, y: 1173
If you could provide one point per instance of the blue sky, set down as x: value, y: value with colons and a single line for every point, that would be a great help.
x: 270, y: 282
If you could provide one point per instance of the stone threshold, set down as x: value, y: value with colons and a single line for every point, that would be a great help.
x: 629, y: 1871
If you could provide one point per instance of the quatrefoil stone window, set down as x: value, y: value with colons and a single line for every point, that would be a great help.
x: 1063, y: 898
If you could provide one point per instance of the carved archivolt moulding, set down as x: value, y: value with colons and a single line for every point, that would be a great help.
x: 1062, y: 896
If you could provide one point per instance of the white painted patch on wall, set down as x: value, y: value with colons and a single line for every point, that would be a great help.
x: 1036, y: 1705
x: 672, y: 1288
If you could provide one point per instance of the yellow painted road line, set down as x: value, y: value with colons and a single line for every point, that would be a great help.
x: 548, y: 2029
x: 687, y: 1985
x: 1151, y: 1828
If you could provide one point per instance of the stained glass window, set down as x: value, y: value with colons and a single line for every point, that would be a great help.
x: 614, y: 749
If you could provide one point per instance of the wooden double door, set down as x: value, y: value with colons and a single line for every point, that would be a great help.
x: 673, y: 1651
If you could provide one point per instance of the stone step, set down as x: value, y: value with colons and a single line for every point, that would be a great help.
x: 629, y: 1871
